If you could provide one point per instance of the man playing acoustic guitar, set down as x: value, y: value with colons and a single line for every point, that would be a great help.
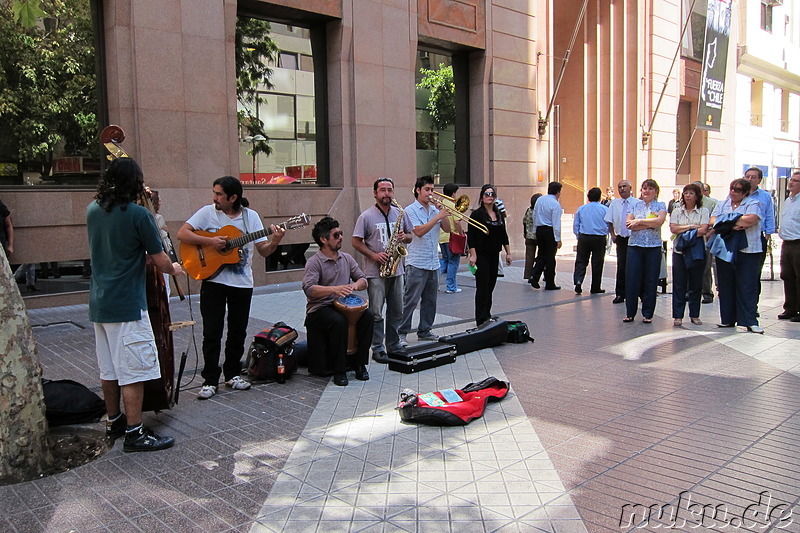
x: 231, y: 286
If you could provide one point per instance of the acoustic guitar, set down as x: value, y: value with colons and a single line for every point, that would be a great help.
x: 203, y: 261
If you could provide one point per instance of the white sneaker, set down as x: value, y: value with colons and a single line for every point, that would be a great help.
x: 403, y: 342
x: 453, y: 292
x: 206, y: 392
x: 237, y: 383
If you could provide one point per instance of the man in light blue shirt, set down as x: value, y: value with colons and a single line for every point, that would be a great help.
x: 764, y: 199
x: 590, y: 228
x: 422, y: 261
x: 790, y: 250
x: 547, y: 219
x: 616, y: 217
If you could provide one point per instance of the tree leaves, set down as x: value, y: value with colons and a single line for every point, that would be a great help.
x: 255, y: 51
x: 26, y: 12
x: 442, y: 98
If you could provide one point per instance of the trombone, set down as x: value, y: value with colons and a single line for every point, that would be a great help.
x: 459, y: 211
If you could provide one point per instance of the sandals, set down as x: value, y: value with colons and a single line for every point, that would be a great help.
x: 647, y: 320
x: 628, y: 319
x: 677, y: 321
x: 696, y: 321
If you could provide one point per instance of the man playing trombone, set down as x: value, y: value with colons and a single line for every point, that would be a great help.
x: 422, y: 262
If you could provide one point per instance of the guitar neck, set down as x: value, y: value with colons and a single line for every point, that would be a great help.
x: 250, y: 237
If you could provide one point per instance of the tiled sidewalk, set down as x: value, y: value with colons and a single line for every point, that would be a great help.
x: 601, y: 415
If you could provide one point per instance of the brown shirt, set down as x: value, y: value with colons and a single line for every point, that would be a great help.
x: 322, y: 270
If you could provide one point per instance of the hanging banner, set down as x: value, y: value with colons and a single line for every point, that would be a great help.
x: 715, y: 60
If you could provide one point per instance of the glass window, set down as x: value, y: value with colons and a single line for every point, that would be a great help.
x: 50, y: 101
x: 442, y: 117
x: 766, y: 16
x: 283, y: 110
x: 693, y: 39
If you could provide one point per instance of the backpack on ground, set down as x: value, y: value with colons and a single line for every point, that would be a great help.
x: 68, y: 402
x: 518, y: 332
x: 271, y: 354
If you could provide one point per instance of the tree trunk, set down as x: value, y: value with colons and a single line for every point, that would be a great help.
x: 24, y: 449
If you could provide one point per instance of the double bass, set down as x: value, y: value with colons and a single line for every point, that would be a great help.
x: 159, y: 393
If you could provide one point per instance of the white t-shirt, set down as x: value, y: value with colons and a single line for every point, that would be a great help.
x: 209, y: 218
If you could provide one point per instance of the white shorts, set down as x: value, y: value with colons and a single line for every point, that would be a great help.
x: 126, y: 351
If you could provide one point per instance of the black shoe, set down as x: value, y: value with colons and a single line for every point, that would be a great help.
x: 32, y: 288
x: 116, y: 429
x: 578, y: 289
x: 598, y: 291
x: 144, y: 440
x: 726, y: 325
x: 708, y: 300
x: 795, y: 319
x: 552, y: 288
x: 618, y: 299
x: 786, y: 316
x: 361, y: 373
x: 535, y: 284
x: 380, y: 357
x: 340, y: 379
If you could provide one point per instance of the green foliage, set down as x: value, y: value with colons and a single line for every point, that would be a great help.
x: 255, y: 51
x: 442, y: 98
x: 48, y: 94
x: 27, y: 12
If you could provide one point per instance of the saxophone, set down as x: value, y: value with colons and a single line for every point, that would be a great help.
x: 394, y: 248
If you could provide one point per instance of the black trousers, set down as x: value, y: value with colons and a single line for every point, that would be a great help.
x: 485, y: 281
x: 215, y: 298
x: 622, y: 259
x: 546, y: 256
x: 593, y: 246
x: 327, y: 341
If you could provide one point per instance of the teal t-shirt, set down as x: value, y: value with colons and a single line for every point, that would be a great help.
x: 118, y: 241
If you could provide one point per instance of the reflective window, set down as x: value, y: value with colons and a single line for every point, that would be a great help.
x: 693, y: 39
x: 49, y: 101
x: 278, y: 122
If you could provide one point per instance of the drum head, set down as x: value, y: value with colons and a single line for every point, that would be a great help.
x: 351, y: 300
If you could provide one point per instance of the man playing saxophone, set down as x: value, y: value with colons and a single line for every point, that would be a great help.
x: 380, y: 235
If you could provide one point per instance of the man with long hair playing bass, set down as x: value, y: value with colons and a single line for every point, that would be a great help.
x: 232, y: 286
x: 121, y: 234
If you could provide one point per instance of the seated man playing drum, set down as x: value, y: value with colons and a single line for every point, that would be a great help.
x: 330, y: 276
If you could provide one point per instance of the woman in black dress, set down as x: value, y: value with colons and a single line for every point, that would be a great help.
x: 484, y: 250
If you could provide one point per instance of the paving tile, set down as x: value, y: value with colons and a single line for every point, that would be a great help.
x: 599, y: 416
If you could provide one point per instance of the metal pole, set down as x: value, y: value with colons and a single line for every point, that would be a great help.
x: 543, y: 121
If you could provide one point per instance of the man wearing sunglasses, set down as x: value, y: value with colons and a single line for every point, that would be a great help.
x: 331, y: 273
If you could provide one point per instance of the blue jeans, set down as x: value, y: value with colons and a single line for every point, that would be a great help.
x: 642, y: 270
x: 687, y: 284
x: 739, y: 286
x: 422, y: 287
x: 449, y: 265
x: 387, y: 291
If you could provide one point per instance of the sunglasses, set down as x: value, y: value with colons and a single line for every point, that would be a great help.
x: 737, y: 189
x: 386, y: 179
x: 489, y: 193
x: 336, y: 234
